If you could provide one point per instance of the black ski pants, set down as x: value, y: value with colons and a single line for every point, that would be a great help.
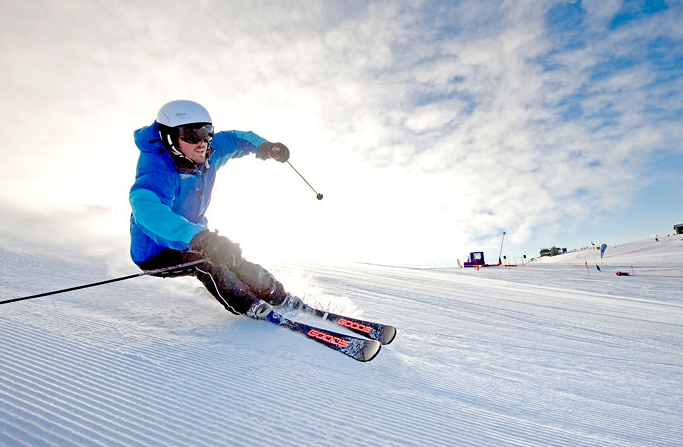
x: 235, y: 288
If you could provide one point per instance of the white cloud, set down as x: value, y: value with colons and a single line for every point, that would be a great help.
x: 429, y: 125
x: 601, y: 12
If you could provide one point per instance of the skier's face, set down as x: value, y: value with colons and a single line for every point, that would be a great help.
x: 195, y: 152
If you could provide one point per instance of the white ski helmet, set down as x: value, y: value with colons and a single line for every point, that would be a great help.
x: 176, y: 114
x: 181, y: 112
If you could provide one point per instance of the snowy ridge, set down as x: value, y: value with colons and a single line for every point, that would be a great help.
x: 542, y: 355
x: 662, y: 252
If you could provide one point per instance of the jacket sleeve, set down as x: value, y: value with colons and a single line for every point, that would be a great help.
x: 151, y: 198
x: 234, y: 144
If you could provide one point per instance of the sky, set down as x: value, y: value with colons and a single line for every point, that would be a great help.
x: 431, y: 127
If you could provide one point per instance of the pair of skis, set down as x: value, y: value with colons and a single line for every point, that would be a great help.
x: 362, y: 349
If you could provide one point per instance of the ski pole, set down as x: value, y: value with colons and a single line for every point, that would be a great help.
x: 122, y: 278
x: 318, y: 195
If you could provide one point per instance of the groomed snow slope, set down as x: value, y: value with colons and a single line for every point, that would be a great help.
x: 540, y: 355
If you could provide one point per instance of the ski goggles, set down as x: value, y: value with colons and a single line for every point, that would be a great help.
x: 196, y: 134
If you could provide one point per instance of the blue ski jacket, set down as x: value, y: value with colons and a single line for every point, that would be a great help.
x: 169, y: 202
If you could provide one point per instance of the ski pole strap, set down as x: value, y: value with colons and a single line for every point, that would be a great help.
x: 99, y: 283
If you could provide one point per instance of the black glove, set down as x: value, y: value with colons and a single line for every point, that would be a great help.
x: 217, y: 249
x: 276, y: 151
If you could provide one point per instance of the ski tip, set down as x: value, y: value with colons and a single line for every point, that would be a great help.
x: 388, y: 335
x: 370, y: 350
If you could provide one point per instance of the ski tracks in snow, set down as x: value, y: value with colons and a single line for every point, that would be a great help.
x: 477, y: 361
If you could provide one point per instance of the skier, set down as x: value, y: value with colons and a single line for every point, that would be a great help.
x: 176, y: 170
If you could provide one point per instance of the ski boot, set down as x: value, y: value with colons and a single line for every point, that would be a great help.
x: 261, y: 310
x: 292, y: 302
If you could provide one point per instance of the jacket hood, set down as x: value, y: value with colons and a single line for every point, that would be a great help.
x: 147, y: 139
